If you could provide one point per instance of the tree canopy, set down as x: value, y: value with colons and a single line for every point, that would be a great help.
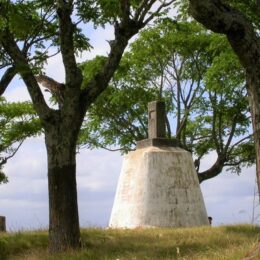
x: 239, y: 22
x: 202, y: 82
x: 17, y: 122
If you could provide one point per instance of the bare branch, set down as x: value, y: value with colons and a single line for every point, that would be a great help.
x: 4, y: 160
x: 145, y: 10
x: 139, y: 10
x: 239, y: 142
x: 232, y: 132
x: 162, y: 6
x: 66, y: 32
x: 214, y: 118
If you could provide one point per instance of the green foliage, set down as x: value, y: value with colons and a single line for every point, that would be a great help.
x: 111, y: 8
x: 18, y: 243
x: 102, y: 11
x: 107, y: 121
x: 249, y: 8
x: 92, y: 67
x: 3, y: 178
x: 17, y: 122
x: 35, y: 23
x: 22, y: 19
x: 226, y: 242
x: 199, y: 77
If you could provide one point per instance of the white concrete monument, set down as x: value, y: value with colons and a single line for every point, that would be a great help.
x: 158, y: 185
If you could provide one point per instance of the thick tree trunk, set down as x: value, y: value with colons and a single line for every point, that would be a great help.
x: 64, y: 232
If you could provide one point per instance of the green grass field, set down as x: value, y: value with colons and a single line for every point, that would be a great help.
x: 226, y: 242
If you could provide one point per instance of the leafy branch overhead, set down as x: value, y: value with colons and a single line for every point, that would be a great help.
x: 200, y: 79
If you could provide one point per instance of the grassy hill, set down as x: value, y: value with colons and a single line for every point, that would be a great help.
x: 226, y: 242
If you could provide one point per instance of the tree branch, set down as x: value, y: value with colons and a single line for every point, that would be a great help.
x: 13, y: 154
x: 66, y: 32
x: 222, y: 18
x: 163, y: 5
x: 95, y: 143
x: 213, y: 171
x: 214, y: 135
x: 239, y: 142
x: 26, y: 73
x: 124, y: 30
x: 6, y: 79
x: 232, y: 132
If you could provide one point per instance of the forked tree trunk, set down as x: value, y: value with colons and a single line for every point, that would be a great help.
x: 64, y: 232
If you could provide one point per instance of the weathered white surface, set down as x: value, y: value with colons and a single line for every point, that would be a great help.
x: 158, y: 187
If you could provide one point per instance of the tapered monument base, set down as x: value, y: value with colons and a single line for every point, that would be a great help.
x: 158, y: 187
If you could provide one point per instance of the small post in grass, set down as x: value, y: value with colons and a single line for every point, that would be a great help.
x: 2, y: 224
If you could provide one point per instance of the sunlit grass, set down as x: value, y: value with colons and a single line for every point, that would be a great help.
x: 226, y: 242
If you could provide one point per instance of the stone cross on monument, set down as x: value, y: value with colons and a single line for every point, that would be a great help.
x: 156, y: 127
x: 156, y: 120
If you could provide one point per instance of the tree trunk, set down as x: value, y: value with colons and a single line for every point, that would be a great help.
x: 215, y: 170
x: 64, y: 232
x: 2, y: 224
x: 244, y: 40
x: 254, y: 99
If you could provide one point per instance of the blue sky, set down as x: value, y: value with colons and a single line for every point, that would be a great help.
x: 24, y: 201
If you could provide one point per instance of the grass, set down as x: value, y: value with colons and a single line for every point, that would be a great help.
x: 226, y: 242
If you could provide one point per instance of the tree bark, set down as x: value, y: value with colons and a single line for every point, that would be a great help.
x: 221, y: 18
x: 212, y: 172
x: 254, y: 100
x: 64, y: 232
x: 6, y: 79
x: 2, y: 224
